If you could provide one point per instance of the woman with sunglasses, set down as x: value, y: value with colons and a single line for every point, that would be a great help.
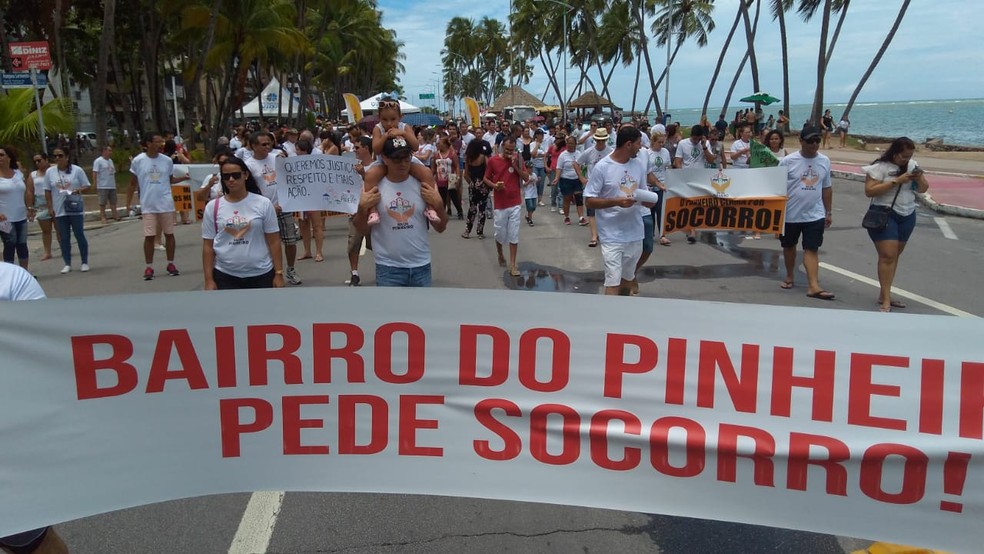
x: 39, y: 183
x: 16, y: 205
x: 240, y: 234
x: 67, y: 180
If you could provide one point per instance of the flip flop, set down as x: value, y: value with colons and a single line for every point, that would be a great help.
x: 884, y: 309
x: 897, y: 304
x: 786, y: 285
x: 306, y: 257
x: 593, y: 243
x: 822, y: 295
x: 319, y: 258
x: 664, y: 241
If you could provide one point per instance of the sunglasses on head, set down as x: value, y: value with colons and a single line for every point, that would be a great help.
x: 235, y: 175
x: 389, y: 104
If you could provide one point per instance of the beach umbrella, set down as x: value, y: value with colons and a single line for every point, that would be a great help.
x: 761, y: 98
x: 422, y: 119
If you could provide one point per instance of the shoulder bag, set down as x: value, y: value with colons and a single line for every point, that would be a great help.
x: 876, y: 218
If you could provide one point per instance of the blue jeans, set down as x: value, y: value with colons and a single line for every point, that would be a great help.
x: 68, y: 225
x: 15, y: 241
x: 387, y: 276
x: 541, y: 181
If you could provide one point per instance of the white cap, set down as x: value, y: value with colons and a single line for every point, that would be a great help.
x: 658, y: 128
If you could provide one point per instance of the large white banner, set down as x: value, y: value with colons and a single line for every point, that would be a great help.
x: 318, y: 182
x: 831, y: 421
x: 732, y: 199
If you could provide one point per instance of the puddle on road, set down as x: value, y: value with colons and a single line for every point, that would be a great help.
x: 755, y: 262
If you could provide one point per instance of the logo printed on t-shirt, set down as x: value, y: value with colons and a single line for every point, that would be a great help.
x: 628, y: 185
x: 809, y: 178
x: 269, y: 175
x: 237, y: 226
x: 401, y: 210
x: 154, y: 174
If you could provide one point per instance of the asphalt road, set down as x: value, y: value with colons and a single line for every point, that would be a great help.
x: 938, y: 270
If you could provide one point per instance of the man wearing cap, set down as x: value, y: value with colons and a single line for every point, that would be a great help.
x: 400, y: 245
x: 693, y: 152
x: 289, y: 145
x: 587, y: 160
x: 809, y: 197
x: 504, y: 174
x: 610, y: 191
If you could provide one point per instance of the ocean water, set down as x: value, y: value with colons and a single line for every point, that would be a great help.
x: 955, y: 121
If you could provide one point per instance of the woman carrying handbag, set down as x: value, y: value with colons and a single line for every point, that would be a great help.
x: 892, y: 183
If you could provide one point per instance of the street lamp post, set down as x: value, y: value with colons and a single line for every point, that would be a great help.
x: 568, y: 9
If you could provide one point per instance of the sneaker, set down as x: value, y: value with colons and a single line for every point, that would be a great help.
x: 583, y: 221
x: 355, y: 281
x: 149, y: 274
x: 85, y: 267
x: 567, y: 221
x: 553, y: 208
x: 66, y: 269
x: 541, y: 204
x: 291, y: 276
x: 561, y: 211
x: 529, y: 220
x: 691, y: 239
x: 172, y: 270
x: 160, y: 247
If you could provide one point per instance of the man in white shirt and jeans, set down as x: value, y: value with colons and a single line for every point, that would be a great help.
x: 808, y: 200
x: 104, y: 175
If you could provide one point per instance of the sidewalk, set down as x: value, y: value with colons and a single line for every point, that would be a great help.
x: 949, y: 193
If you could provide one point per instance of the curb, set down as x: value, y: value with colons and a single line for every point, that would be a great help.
x: 925, y: 199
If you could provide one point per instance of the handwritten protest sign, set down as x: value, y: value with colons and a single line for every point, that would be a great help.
x: 318, y: 182
x: 760, y: 156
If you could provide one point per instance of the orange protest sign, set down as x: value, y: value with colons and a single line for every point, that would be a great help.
x: 765, y: 215
x: 182, y: 198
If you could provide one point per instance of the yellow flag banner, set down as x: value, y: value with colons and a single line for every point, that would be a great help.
x: 471, y: 106
x: 353, y: 107
x: 746, y: 200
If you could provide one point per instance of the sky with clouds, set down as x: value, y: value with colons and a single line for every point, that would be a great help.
x: 933, y: 55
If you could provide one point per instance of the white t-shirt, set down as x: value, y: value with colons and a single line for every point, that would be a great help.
x: 422, y: 151
x: 154, y: 180
x: 63, y: 183
x: 235, y: 143
x: 611, y: 179
x: 40, y: 179
x: 289, y: 147
x: 105, y: 173
x: 265, y: 173
x: 243, y: 153
x: 690, y: 154
x: 659, y: 163
x: 645, y: 141
x: 215, y: 190
x: 12, y: 197
x: 529, y: 189
x: 905, y: 204
x: 466, y: 140
x: 400, y: 238
x: 565, y: 163
x: 589, y: 158
x: 718, y: 151
x: 537, y: 154
x: 238, y: 234
x: 739, y: 162
x: 805, y: 180
x: 16, y: 283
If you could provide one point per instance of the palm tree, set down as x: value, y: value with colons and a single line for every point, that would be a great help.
x: 750, y: 39
x: 619, y: 39
x: 878, y: 57
x: 724, y: 51
x: 821, y: 65
x: 692, y: 19
x: 102, y: 70
x: 779, y: 9
x: 19, y: 124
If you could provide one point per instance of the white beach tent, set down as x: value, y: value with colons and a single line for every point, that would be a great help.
x: 371, y: 104
x: 273, y: 97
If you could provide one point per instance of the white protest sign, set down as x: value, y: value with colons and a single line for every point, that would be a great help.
x: 318, y: 182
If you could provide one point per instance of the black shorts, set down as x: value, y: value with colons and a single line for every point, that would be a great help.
x: 224, y: 281
x: 812, y: 232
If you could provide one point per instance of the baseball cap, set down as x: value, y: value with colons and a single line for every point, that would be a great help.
x: 809, y: 132
x: 659, y: 128
x: 396, y: 147
x: 601, y: 134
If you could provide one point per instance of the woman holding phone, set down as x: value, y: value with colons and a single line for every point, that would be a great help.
x: 893, y: 181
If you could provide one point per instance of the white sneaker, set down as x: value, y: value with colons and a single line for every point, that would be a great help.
x: 160, y: 247
x: 553, y: 208
x: 291, y: 276
x: 85, y: 267
x: 66, y: 269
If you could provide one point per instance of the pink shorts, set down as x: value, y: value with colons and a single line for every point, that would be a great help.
x: 153, y: 222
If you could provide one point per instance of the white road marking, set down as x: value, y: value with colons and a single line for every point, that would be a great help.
x: 899, y: 292
x: 945, y: 228
x: 259, y: 520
